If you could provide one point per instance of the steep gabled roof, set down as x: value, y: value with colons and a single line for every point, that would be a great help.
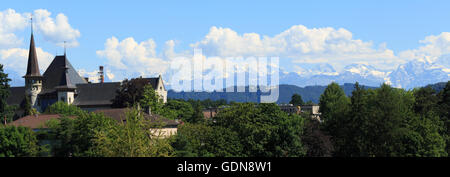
x: 153, y: 81
x: 96, y: 93
x: 32, y: 67
x: 56, y: 73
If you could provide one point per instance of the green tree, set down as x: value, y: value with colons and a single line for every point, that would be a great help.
x: 181, y: 109
x: 18, y: 142
x: 297, y: 100
x: 197, y: 115
x: 389, y: 110
x: 263, y: 129
x: 75, y: 136
x: 426, y: 100
x: 149, y: 99
x: 64, y: 109
x: 201, y: 140
x: 444, y: 113
x: 316, y: 142
x: 335, y: 106
x: 383, y: 122
x: 131, y: 139
x: 5, y: 109
x: 130, y: 93
x: 333, y: 103
x: 357, y: 124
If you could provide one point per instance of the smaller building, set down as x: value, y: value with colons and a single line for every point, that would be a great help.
x: 289, y: 108
x: 311, y: 109
x: 308, y: 109
x: 210, y: 112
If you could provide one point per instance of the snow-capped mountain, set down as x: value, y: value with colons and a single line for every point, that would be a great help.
x: 409, y: 75
x: 311, y: 69
x: 419, y: 73
x: 362, y: 73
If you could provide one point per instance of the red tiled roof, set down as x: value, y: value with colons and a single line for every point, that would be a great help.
x: 35, y: 122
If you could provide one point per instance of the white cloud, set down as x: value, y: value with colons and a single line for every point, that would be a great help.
x: 302, y: 44
x: 92, y: 76
x: 435, y: 46
x: 128, y: 58
x: 16, y: 59
x: 56, y: 30
x: 10, y: 22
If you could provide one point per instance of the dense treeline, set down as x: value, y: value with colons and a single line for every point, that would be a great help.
x: 308, y: 93
x: 375, y: 122
x: 386, y: 121
x: 244, y: 130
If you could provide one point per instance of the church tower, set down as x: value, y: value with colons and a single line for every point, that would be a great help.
x: 33, y: 78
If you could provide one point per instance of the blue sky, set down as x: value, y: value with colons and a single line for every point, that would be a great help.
x: 400, y: 25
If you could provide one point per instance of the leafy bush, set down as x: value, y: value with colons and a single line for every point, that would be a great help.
x: 18, y: 142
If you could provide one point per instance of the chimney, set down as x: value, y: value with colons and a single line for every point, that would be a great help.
x: 102, y: 78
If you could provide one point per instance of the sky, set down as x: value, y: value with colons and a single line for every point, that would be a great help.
x: 132, y: 38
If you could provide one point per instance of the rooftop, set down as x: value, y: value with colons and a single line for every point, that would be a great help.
x: 35, y: 121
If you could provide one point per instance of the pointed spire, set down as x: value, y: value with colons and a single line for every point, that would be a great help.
x: 31, y: 19
x: 64, y: 48
x: 32, y: 67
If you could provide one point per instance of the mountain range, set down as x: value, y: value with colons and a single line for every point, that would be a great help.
x: 409, y: 75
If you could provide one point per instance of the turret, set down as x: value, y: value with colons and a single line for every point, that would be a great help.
x: 33, y: 78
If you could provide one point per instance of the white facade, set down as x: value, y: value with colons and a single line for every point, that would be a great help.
x: 66, y: 96
x: 33, y: 88
x: 161, y: 90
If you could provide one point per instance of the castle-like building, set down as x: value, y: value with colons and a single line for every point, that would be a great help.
x: 61, y: 82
